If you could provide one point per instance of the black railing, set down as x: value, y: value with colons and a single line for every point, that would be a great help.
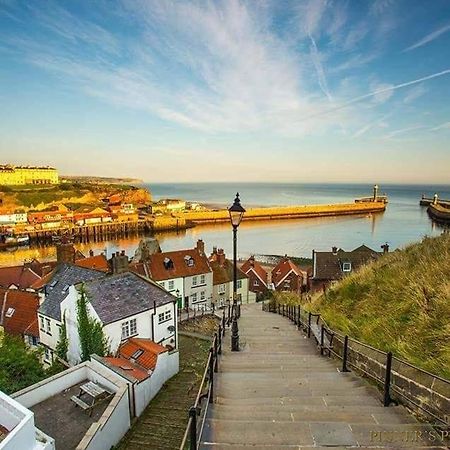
x: 205, y: 395
x: 422, y: 391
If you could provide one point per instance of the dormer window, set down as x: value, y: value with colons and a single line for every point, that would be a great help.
x: 346, y: 267
x: 10, y: 312
x: 189, y: 260
x: 168, y: 263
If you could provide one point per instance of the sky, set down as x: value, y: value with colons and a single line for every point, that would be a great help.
x: 269, y: 90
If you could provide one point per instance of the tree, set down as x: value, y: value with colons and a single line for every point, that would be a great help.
x: 62, y: 345
x: 19, y: 366
x: 90, y: 331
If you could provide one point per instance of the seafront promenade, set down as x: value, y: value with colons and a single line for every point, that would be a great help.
x: 278, y: 393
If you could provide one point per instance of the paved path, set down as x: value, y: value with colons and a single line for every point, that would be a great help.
x: 279, y: 393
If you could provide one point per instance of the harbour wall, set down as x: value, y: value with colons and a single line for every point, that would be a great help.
x: 286, y: 212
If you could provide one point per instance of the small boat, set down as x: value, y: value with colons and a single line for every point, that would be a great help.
x: 11, y: 240
x: 439, y: 213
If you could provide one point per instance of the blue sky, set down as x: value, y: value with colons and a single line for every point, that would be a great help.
x: 319, y: 90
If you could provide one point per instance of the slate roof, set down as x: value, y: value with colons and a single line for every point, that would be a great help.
x: 283, y: 268
x: 328, y: 266
x: 56, y: 289
x: 179, y: 268
x: 22, y: 307
x: 119, y: 296
x: 224, y: 273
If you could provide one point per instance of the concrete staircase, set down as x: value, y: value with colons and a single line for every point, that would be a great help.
x: 279, y: 393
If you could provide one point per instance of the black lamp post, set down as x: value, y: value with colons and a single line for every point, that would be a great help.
x: 236, y: 212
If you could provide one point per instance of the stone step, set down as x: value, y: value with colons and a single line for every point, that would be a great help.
x: 216, y: 446
x: 335, y: 400
x: 328, y: 434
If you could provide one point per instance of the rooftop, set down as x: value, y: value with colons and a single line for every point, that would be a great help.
x: 283, y: 268
x: 20, y: 276
x: 58, y: 417
x: 64, y: 276
x: 252, y: 265
x: 118, y: 296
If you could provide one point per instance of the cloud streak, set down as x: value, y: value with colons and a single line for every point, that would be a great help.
x: 429, y: 37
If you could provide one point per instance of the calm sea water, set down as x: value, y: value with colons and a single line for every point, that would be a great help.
x: 403, y: 222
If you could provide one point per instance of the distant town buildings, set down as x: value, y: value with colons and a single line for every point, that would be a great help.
x: 257, y: 275
x: 19, y: 175
x: 288, y: 277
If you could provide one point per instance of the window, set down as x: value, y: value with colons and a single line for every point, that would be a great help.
x: 162, y: 284
x: 346, y: 267
x: 164, y: 316
x: 239, y: 284
x: 202, y: 295
x: 189, y: 260
x: 202, y: 279
x: 129, y: 328
x: 194, y: 297
x: 42, y: 323
x: 256, y: 283
x: 10, y: 312
x: 171, y: 285
x: 221, y: 289
x: 47, y: 355
x: 194, y: 281
x: 33, y: 340
x: 48, y: 326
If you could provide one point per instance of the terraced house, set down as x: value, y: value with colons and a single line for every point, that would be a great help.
x: 186, y: 274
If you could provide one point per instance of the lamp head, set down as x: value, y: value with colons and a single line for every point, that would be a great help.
x: 236, y: 212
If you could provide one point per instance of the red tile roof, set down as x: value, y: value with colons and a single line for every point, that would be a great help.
x: 128, y: 368
x: 146, y: 350
x: 179, y: 268
x: 98, y: 262
x: 283, y: 268
x: 20, y: 276
x: 18, y: 312
x: 252, y: 265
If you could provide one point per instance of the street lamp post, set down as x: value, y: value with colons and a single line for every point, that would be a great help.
x: 236, y: 212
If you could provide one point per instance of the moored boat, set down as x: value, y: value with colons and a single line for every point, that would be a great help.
x: 439, y: 213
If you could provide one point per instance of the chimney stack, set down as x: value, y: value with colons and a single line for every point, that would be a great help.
x: 201, y: 246
x: 385, y: 248
x: 252, y: 261
x: 119, y: 262
x: 221, y: 256
x: 334, y: 250
x: 65, y: 253
x: 91, y: 252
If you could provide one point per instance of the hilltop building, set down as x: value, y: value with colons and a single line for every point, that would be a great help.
x: 19, y: 175
x: 287, y: 277
x: 331, y: 266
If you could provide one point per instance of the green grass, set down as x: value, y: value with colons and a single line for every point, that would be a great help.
x: 401, y: 303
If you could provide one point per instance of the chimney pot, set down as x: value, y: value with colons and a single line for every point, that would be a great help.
x: 334, y: 250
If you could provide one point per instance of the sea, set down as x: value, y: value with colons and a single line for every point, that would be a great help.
x: 403, y: 222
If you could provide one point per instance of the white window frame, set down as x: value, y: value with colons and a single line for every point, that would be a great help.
x: 162, y: 284
x: 48, y: 327
x: 202, y: 279
x: 42, y: 321
x: 221, y: 289
x: 164, y: 316
x: 255, y: 283
x: 194, y: 281
x: 194, y: 297
x: 346, y: 267
x: 129, y: 328
x: 239, y: 284
x: 171, y: 285
x: 202, y: 295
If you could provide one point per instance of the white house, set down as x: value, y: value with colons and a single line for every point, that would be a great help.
x: 54, y: 291
x: 17, y: 429
x: 186, y: 274
x: 145, y: 366
x: 13, y: 218
x: 127, y: 305
x: 223, y: 281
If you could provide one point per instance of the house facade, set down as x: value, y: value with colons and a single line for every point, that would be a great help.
x: 257, y: 275
x: 186, y: 274
x: 288, y: 277
x: 223, y: 281
x: 329, y: 267
x: 127, y: 306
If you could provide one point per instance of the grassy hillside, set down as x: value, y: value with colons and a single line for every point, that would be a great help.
x: 399, y: 303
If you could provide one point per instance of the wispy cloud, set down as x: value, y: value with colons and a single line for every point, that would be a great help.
x: 429, y: 37
x: 404, y: 130
x: 415, y: 93
x: 442, y: 126
x: 316, y: 59
x: 377, y: 122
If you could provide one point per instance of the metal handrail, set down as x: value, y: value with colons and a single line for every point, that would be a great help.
x: 295, y: 315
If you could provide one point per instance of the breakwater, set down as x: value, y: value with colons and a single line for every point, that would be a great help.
x: 286, y: 212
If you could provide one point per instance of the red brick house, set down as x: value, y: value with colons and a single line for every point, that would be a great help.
x: 258, y: 277
x: 286, y: 276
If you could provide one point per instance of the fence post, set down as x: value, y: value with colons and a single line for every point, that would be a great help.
x: 229, y: 315
x: 219, y: 336
x: 345, y: 355
x: 322, y: 331
x: 216, y: 353
x: 309, y: 325
x: 299, y: 319
x: 284, y: 310
x: 387, y: 380
x: 193, y: 430
x: 223, y: 322
x: 211, y: 376
x: 278, y: 307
